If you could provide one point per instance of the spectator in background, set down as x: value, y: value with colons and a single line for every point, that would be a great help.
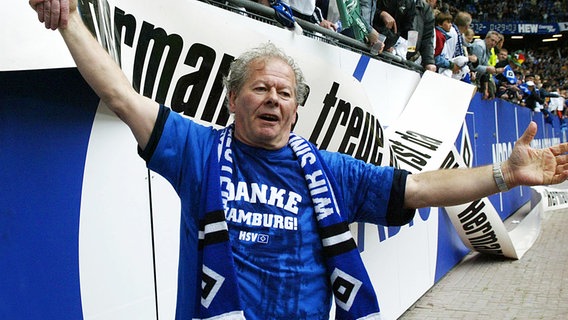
x: 564, y: 106
x: 455, y: 48
x: 368, y: 9
x: 455, y: 45
x: 424, y: 24
x: 556, y: 104
x: 479, y: 56
x: 433, y: 3
x: 307, y: 10
x: 468, y: 37
x: 507, y: 81
x: 462, y: 21
x: 331, y: 13
x: 543, y: 88
x: 546, y: 95
x: 493, y: 58
x: 534, y: 101
x: 503, y: 56
x: 324, y: 7
x: 394, y: 18
x: 524, y: 86
x: 443, y: 27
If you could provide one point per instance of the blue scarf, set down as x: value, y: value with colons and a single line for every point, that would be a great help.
x: 353, y: 292
x: 459, y: 51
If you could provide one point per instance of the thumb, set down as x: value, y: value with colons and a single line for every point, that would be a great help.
x: 529, y: 134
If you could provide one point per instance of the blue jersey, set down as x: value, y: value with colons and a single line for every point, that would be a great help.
x: 273, y: 232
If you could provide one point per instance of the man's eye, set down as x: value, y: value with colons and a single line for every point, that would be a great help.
x: 285, y: 94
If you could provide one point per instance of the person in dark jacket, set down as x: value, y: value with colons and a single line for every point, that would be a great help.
x: 394, y: 18
x: 533, y: 97
x: 424, y: 24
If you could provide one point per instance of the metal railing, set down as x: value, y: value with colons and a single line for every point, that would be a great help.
x: 266, y: 14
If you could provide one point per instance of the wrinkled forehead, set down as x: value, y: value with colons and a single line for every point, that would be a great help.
x: 271, y: 67
x: 269, y: 61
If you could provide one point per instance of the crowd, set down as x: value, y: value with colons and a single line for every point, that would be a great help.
x: 438, y: 36
x: 548, y: 71
x: 542, y: 11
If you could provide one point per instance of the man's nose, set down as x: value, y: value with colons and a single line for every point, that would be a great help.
x: 272, y: 96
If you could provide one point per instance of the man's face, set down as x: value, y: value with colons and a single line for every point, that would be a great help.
x: 265, y: 108
x: 502, y: 56
x: 492, y: 41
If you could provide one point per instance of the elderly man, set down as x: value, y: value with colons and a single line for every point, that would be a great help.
x: 303, y: 198
x: 481, y: 50
x: 480, y: 54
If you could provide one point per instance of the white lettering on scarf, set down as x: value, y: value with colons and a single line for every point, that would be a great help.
x: 316, y: 181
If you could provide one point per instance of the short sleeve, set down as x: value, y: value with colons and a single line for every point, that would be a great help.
x: 178, y: 148
x: 370, y: 193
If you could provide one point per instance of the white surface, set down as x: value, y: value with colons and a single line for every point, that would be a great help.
x: 26, y: 43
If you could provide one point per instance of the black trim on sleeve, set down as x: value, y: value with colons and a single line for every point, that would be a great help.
x: 147, y: 153
x: 397, y: 215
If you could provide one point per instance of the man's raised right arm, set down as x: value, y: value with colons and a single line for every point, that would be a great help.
x: 97, y: 67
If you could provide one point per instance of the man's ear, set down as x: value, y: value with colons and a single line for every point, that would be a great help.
x: 232, y: 98
x: 295, y: 121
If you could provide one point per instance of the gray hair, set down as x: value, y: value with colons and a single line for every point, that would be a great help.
x: 493, y: 33
x: 240, y: 71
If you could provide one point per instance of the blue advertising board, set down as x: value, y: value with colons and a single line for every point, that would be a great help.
x: 520, y: 28
x: 44, y: 134
x: 493, y: 126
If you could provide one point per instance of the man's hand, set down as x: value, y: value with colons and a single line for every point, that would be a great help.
x: 389, y: 21
x: 431, y: 67
x: 372, y: 39
x: 528, y: 166
x: 328, y: 25
x: 525, y: 166
x: 53, y: 13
